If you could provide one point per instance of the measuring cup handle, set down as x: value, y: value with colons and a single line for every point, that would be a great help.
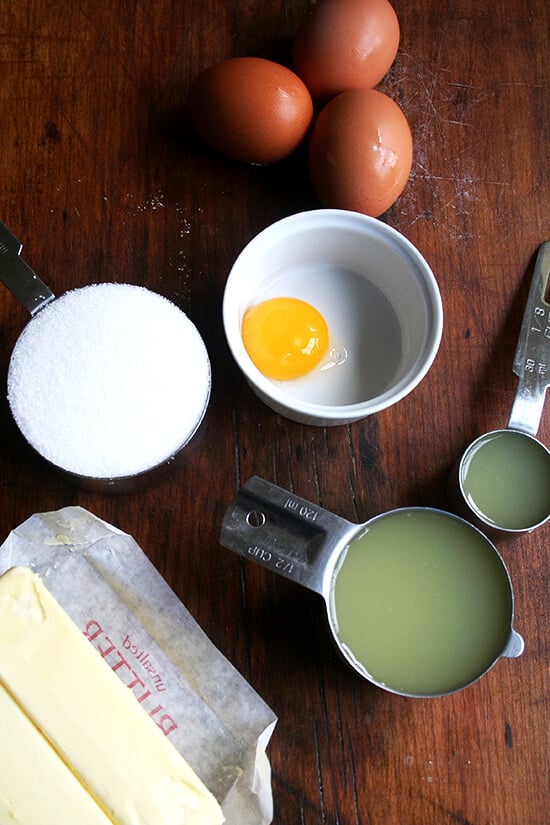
x: 18, y: 276
x: 532, y: 357
x: 283, y: 532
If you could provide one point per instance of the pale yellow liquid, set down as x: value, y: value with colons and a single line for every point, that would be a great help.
x: 506, y: 480
x: 422, y: 602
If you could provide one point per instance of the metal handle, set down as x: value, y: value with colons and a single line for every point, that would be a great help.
x: 283, y: 532
x: 532, y: 358
x: 18, y: 276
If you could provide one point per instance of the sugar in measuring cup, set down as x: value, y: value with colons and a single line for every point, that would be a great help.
x: 107, y: 382
x: 419, y: 602
x: 502, y: 481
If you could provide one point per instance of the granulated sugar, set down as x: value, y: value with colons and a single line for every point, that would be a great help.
x: 109, y: 380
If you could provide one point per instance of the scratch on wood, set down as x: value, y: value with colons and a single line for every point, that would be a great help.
x: 508, y: 739
x: 354, y: 782
x: 236, y: 457
x: 353, y: 477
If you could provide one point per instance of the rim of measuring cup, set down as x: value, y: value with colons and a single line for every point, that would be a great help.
x: 486, y: 523
x: 327, y: 219
x: 513, y: 639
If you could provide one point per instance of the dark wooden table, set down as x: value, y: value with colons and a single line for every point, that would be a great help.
x: 102, y: 180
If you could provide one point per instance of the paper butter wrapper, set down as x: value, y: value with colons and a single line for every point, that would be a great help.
x: 115, y: 595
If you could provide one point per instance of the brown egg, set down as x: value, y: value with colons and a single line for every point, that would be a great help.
x: 345, y: 44
x: 250, y: 109
x: 360, y: 152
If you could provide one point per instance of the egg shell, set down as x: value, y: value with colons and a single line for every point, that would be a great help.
x: 345, y: 44
x: 360, y: 152
x: 250, y: 109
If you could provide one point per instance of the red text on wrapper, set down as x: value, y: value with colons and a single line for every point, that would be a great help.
x: 118, y: 662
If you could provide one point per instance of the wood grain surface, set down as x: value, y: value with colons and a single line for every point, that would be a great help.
x: 102, y: 179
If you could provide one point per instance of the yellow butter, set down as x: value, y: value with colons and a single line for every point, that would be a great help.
x: 90, y: 717
x: 36, y: 787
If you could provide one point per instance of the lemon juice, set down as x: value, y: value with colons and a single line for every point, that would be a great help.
x: 506, y: 480
x: 422, y: 602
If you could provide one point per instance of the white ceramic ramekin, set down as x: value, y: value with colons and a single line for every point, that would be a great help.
x: 377, y: 293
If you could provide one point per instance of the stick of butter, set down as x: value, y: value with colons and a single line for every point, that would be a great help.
x: 90, y: 718
x: 36, y: 787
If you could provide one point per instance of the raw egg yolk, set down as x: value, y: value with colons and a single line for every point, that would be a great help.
x: 284, y: 337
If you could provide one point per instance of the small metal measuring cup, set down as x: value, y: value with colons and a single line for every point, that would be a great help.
x: 492, y: 485
x: 308, y: 545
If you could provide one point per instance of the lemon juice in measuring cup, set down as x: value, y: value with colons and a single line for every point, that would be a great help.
x: 502, y: 481
x: 495, y: 468
x: 420, y: 603
x: 418, y: 600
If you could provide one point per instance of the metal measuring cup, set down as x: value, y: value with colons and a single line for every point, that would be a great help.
x: 35, y: 296
x: 305, y: 543
x: 517, y: 500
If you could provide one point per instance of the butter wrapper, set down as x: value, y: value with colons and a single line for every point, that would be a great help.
x: 115, y: 595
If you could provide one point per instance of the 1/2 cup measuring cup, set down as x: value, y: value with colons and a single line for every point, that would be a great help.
x: 419, y: 602
x: 108, y: 382
x: 502, y: 481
